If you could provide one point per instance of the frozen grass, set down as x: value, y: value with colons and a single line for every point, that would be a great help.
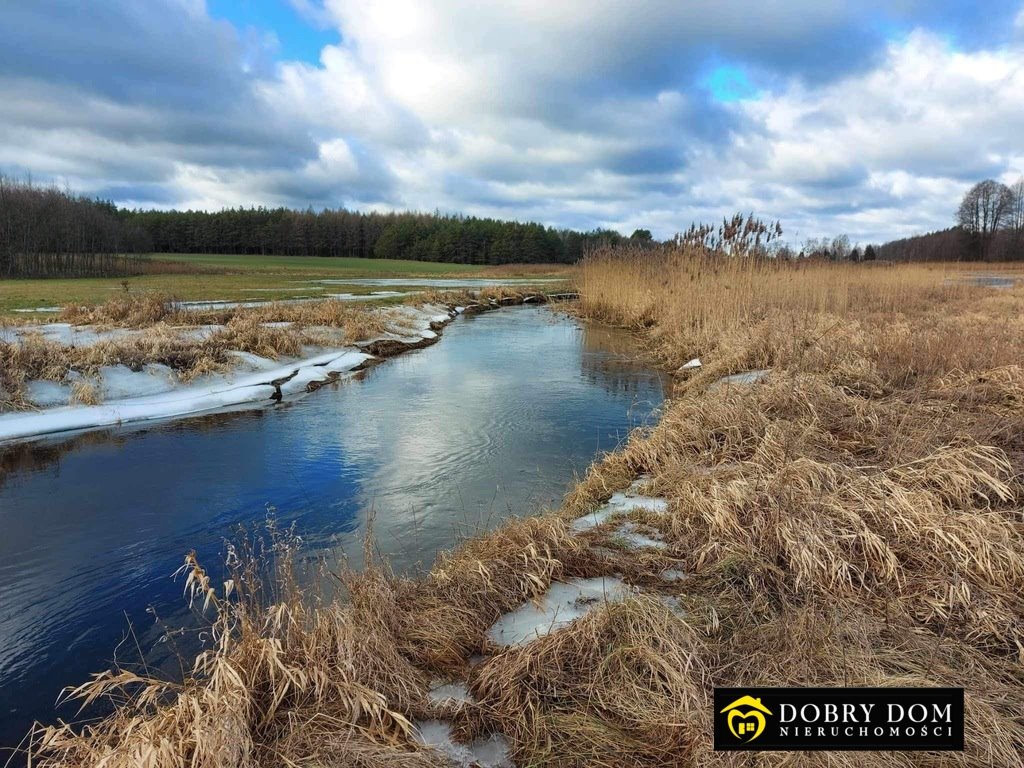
x: 854, y: 519
x: 190, y: 343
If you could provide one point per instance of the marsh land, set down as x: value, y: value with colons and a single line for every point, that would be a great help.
x: 850, y: 514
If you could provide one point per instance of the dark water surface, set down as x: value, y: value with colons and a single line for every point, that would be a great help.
x: 496, y: 419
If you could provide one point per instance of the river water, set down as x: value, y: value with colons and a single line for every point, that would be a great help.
x: 496, y: 419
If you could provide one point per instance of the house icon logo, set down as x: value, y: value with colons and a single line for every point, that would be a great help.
x: 746, y: 718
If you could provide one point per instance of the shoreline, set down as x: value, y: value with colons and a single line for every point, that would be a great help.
x: 254, y: 381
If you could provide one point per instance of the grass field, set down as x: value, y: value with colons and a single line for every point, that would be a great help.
x: 241, y: 278
x: 341, y: 266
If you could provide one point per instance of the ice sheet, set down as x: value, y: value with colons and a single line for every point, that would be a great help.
x: 154, y: 393
x: 563, y: 603
x: 216, y: 392
x: 747, y: 377
x: 621, y: 503
x: 492, y: 752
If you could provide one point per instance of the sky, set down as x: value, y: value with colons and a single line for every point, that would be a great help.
x: 870, y: 118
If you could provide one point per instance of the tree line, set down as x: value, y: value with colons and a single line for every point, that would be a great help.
x: 47, y: 232
x: 50, y: 232
x: 327, y: 233
x: 989, y: 227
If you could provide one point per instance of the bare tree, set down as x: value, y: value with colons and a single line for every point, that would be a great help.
x: 841, y: 248
x: 985, y: 208
x: 1016, y: 218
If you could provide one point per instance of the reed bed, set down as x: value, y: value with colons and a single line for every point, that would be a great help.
x: 853, y: 519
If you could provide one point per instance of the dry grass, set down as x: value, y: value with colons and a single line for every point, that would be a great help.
x: 689, y: 297
x: 854, y: 519
x: 159, y: 336
x: 145, y: 309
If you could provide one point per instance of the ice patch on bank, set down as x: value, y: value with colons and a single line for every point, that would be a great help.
x: 632, y: 536
x: 563, y: 603
x: 620, y: 504
x: 214, y: 393
x: 155, y: 392
x: 436, y: 282
x: 119, y: 382
x: 441, y: 692
x: 66, y: 334
x: 492, y: 752
x: 741, y: 379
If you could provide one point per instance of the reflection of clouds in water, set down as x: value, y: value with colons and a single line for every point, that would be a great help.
x: 493, y: 420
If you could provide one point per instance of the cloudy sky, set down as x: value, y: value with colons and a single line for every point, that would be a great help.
x: 870, y: 118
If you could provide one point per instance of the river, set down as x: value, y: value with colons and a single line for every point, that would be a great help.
x: 496, y: 419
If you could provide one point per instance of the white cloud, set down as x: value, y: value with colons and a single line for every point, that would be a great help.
x: 573, y: 113
x: 907, y: 137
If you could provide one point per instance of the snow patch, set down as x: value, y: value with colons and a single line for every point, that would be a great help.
x: 441, y: 692
x: 492, y: 752
x: 563, y: 603
x: 747, y: 377
x: 621, y: 503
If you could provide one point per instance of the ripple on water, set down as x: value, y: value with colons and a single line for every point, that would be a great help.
x: 495, y: 420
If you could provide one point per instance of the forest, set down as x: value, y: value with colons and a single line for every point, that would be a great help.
x: 419, y: 236
x: 49, y: 232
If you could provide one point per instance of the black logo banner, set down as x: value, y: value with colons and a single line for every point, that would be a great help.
x: 775, y: 719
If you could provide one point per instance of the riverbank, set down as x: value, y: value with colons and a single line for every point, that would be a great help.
x: 852, y: 517
x: 144, y: 357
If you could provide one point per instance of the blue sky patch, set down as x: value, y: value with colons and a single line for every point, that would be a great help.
x: 728, y: 83
x: 298, y: 37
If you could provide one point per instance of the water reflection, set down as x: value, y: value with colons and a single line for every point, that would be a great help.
x: 495, y: 420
